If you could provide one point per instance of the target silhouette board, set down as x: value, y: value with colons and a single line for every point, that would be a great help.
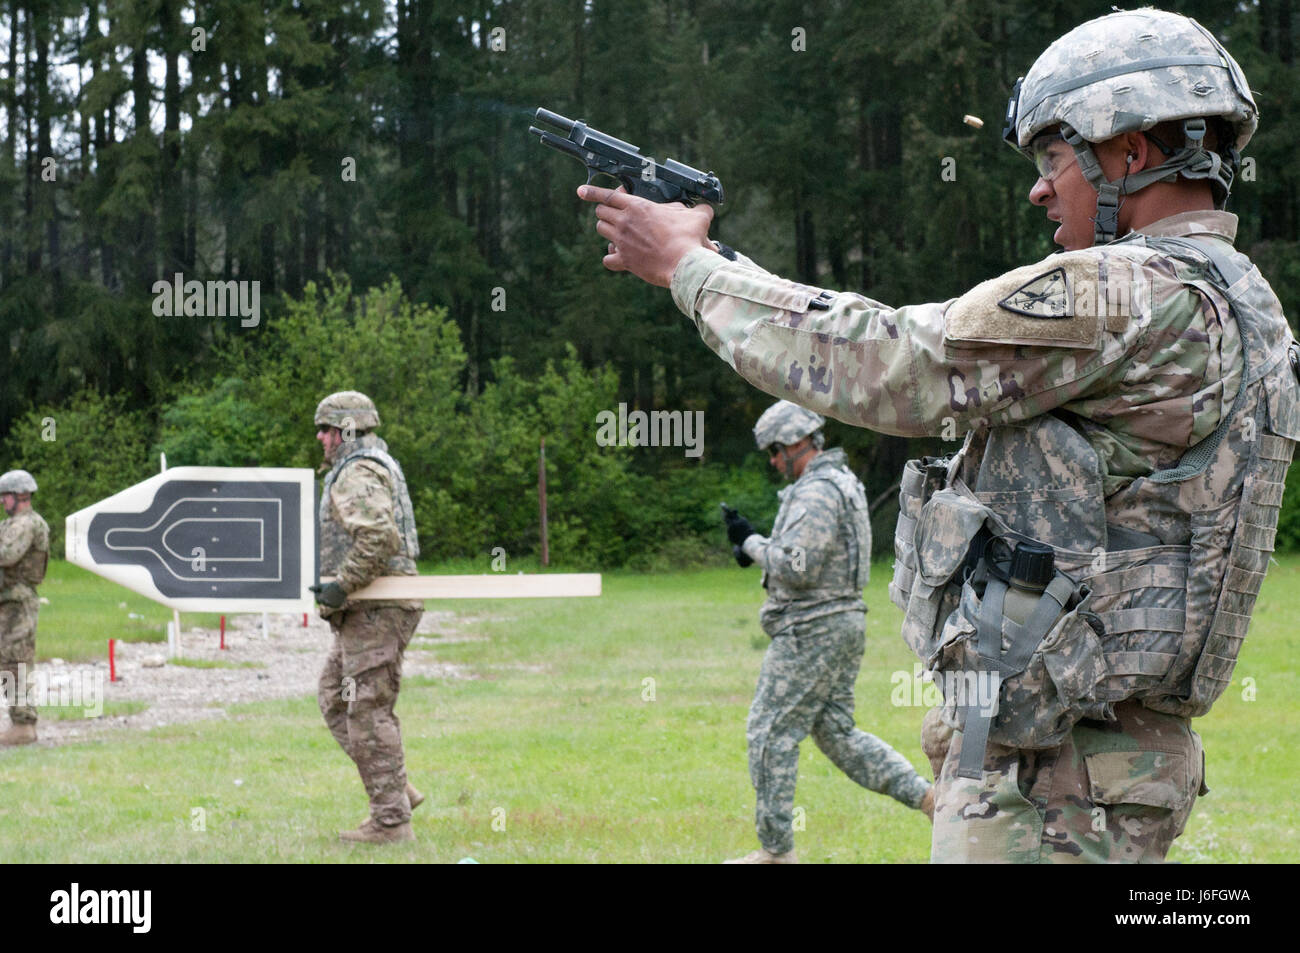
x: 243, y: 539
x: 206, y: 539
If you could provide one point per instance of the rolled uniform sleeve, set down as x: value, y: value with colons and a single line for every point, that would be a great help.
x: 804, y: 533
x: 362, y: 498
x: 965, y: 363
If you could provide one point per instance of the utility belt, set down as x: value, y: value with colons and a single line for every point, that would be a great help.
x: 1107, y: 626
x: 779, y: 618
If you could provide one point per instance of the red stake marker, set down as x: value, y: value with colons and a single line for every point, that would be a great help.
x: 304, y: 620
x: 223, y: 632
x: 112, y: 670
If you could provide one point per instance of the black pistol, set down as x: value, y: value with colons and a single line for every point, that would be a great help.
x: 741, y: 557
x: 640, y: 175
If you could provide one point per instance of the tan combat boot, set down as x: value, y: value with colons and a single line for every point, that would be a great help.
x: 372, y: 833
x: 927, y: 803
x: 412, y: 795
x: 19, y: 734
x: 765, y: 856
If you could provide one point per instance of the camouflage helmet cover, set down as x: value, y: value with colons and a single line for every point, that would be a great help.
x: 17, y: 481
x: 347, y: 407
x: 785, y: 423
x: 1127, y: 72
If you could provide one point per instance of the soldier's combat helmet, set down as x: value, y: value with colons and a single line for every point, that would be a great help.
x: 1128, y: 72
x: 17, y: 481
x: 347, y: 408
x: 786, y: 423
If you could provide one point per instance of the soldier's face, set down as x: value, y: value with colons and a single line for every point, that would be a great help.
x: 1066, y: 195
x: 331, y: 438
x: 789, y: 461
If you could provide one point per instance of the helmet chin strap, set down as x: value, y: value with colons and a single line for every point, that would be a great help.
x: 788, y: 462
x: 1193, y: 161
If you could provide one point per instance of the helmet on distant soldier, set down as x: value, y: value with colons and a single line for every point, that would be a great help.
x: 17, y: 481
x: 1129, y: 72
x: 347, y: 408
x: 786, y: 423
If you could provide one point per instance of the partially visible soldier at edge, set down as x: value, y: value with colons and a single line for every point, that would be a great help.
x: 367, y: 530
x: 24, y: 555
x: 815, y: 565
x: 1131, y: 402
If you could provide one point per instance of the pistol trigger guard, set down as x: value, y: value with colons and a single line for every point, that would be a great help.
x: 628, y: 182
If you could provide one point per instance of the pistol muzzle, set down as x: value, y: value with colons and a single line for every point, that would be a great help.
x: 554, y: 119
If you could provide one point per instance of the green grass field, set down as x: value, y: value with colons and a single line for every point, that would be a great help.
x: 564, y: 750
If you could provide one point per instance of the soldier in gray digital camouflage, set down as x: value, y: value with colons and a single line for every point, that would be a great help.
x: 367, y: 530
x: 24, y: 554
x: 815, y: 565
x: 1081, y: 574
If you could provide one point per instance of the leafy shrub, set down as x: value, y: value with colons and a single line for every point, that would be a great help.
x: 79, y: 452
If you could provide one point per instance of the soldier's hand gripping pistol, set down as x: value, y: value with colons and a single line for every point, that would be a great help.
x: 738, y: 530
x: 640, y: 175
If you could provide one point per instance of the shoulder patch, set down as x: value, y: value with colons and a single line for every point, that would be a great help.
x: 1047, y: 296
x: 1050, y: 303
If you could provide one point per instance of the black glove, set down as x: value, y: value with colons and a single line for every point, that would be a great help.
x: 330, y: 595
x: 738, y: 528
x: 742, y: 558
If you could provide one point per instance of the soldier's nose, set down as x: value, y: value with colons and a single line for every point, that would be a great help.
x: 1041, y: 192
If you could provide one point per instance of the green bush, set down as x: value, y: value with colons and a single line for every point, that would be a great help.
x: 221, y: 427
x: 406, y: 357
x: 79, y: 452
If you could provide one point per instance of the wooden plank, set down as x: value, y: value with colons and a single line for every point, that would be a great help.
x: 488, y: 586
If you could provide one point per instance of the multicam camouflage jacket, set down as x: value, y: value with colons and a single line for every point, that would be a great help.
x: 819, y: 555
x: 366, y: 519
x: 24, y: 554
x: 1122, y: 404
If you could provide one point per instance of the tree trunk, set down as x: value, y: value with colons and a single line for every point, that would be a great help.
x: 144, y: 267
x: 11, y: 139
x: 47, y: 204
x: 173, y: 201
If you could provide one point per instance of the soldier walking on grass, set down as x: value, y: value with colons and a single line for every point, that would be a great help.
x: 24, y: 553
x: 815, y: 564
x: 367, y: 530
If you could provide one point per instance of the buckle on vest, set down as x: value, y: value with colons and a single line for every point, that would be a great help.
x: 936, y: 473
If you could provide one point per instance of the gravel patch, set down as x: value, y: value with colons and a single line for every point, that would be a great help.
x: 285, y: 663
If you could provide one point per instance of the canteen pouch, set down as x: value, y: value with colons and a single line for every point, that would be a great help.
x: 1028, y: 687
